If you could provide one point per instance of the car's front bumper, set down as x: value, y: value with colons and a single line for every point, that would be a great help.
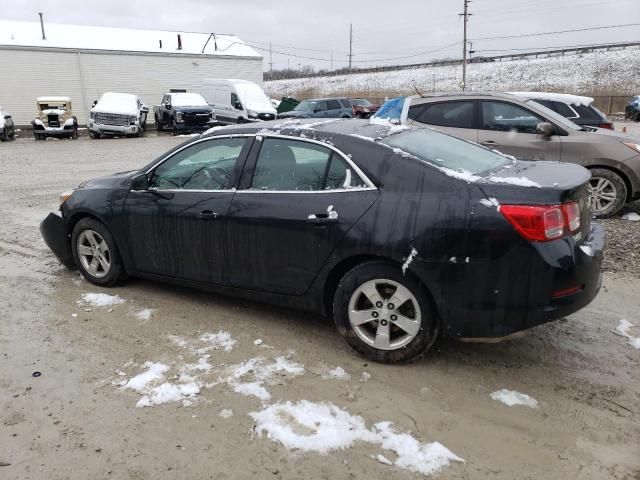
x: 54, y: 131
x: 488, y: 301
x: 113, y: 129
x: 54, y: 233
x: 186, y: 127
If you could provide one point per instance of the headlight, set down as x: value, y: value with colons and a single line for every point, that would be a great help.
x: 633, y: 146
x: 92, y: 115
x: 132, y: 120
x: 252, y: 114
x: 366, y: 110
x: 64, y: 196
x: 179, y: 117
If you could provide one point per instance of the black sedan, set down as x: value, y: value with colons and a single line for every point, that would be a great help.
x: 400, y: 234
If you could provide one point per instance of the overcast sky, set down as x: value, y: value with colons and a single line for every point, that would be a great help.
x: 383, y: 31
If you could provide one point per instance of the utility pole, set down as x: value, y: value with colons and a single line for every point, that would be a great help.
x: 270, y: 58
x: 331, y: 61
x: 466, y: 16
x: 350, y: 44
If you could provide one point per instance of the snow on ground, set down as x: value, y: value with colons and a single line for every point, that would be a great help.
x: 324, y: 427
x: 249, y: 378
x: 511, y: 398
x: 338, y: 373
x: 144, y: 314
x: 226, y: 413
x: 101, y: 300
x: 623, y: 330
x: 631, y: 216
x: 587, y: 72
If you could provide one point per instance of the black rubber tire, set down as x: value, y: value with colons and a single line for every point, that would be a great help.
x: 140, y: 133
x: 4, y: 135
x: 621, y: 189
x: 159, y: 126
x: 94, y: 135
x: 116, y: 272
x: 377, y: 269
x: 174, y: 129
x: 74, y: 135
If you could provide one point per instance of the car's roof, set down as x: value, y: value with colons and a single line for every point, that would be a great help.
x: 464, y: 94
x: 365, y: 129
x: 556, y: 97
x: 53, y: 99
x: 323, y: 99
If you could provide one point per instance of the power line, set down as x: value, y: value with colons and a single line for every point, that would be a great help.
x: 543, y: 49
x: 558, y: 31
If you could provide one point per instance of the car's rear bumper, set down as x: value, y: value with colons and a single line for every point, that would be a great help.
x: 54, y: 233
x: 498, y: 300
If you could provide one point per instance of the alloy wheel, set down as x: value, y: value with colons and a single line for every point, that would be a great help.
x: 602, y: 194
x: 94, y: 253
x: 384, y: 314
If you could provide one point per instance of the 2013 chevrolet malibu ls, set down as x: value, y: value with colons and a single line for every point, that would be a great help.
x: 400, y: 233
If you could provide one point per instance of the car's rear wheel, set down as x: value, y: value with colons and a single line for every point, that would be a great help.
x: 96, y: 253
x: 159, y: 125
x: 74, y: 135
x: 174, y: 128
x: 4, y: 135
x: 607, y: 192
x: 387, y: 316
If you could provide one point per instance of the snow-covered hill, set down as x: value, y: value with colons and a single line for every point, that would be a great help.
x: 600, y: 72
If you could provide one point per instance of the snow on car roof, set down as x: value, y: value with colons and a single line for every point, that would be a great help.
x: 556, y: 97
x: 184, y: 99
x: 53, y: 99
x: 85, y: 37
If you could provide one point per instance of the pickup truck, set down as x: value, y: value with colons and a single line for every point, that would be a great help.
x: 183, y: 112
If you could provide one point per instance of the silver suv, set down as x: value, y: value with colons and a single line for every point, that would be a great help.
x: 529, y: 131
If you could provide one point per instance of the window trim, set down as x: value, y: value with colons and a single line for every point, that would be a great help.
x: 172, y: 154
x: 370, y: 185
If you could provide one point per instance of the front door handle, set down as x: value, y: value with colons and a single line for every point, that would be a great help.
x: 490, y: 143
x: 208, y: 215
x: 322, y: 219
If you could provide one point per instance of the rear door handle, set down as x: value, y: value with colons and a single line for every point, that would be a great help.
x: 208, y: 215
x: 490, y: 143
x: 322, y: 219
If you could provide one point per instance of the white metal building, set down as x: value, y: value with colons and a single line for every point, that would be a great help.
x: 83, y: 62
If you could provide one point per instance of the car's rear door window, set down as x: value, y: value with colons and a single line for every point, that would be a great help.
x: 333, y: 105
x: 456, y: 114
x: 206, y: 165
x: 506, y: 117
x: 293, y: 165
x: 565, y: 110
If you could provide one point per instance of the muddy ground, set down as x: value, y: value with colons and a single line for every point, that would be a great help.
x: 75, y: 421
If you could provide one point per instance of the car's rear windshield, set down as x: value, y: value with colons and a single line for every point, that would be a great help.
x: 445, y: 151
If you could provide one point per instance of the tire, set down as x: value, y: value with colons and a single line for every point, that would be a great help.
x: 96, y: 254
x: 94, y: 135
x: 5, y: 135
x: 174, y: 128
x: 159, y: 126
x: 607, y: 192
x: 74, y: 135
x: 240, y: 120
x: 140, y: 132
x: 417, y: 312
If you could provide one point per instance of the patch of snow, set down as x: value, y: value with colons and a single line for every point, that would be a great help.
x: 520, y: 181
x: 337, y: 373
x: 155, y: 372
x: 216, y: 341
x: 362, y: 137
x: 409, y: 259
x: 453, y: 260
x: 384, y: 460
x: 226, y: 413
x: 461, y: 174
x: 252, y: 389
x: 365, y: 377
x: 511, y: 398
x: 257, y: 341
x: 490, y: 202
x: 144, y: 314
x: 100, y: 299
x: 324, y: 427
x: 556, y: 97
x: 169, y: 392
x: 623, y: 330
x: 74, y: 315
x: 188, y: 99
x: 631, y: 216
x: 260, y: 373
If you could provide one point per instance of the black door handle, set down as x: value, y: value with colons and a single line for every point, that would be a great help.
x: 207, y: 215
x: 322, y: 219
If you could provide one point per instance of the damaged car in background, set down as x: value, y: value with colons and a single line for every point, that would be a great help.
x: 401, y: 234
x: 55, y: 119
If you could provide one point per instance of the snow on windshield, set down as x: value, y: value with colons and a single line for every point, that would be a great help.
x: 188, y: 100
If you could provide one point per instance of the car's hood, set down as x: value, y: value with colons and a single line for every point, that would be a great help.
x: 111, y: 181
x: 294, y: 114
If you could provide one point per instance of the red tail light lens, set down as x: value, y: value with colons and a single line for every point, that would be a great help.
x: 541, y: 223
x: 608, y: 126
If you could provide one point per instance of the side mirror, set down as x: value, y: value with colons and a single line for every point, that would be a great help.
x: 167, y: 106
x: 95, y: 102
x: 237, y: 105
x: 545, y: 129
x: 141, y: 182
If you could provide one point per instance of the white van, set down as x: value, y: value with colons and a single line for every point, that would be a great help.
x: 237, y: 101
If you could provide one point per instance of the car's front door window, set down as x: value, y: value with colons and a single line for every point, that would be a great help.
x: 207, y: 165
x: 506, y: 117
x: 293, y: 165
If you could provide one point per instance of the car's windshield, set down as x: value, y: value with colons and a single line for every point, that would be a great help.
x: 553, y: 116
x: 306, y: 106
x: 363, y: 102
x: 443, y: 150
x: 53, y: 106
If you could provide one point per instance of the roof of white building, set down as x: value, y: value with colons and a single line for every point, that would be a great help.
x: 84, y: 37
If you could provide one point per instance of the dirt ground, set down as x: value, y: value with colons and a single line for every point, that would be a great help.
x: 75, y: 421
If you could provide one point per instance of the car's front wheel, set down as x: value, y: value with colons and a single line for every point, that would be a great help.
x: 94, y: 135
x: 607, y: 192
x: 96, y: 254
x: 386, y: 316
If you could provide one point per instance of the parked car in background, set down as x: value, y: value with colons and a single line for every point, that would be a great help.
x: 321, y: 108
x: 183, y: 112
x: 7, y: 128
x: 118, y: 114
x: 632, y: 110
x: 329, y: 224
x: 530, y: 131
x: 237, y: 101
x: 363, y: 108
x: 578, y: 109
x: 55, y: 118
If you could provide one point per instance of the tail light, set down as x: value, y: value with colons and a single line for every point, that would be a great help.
x: 608, y: 126
x: 541, y: 223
